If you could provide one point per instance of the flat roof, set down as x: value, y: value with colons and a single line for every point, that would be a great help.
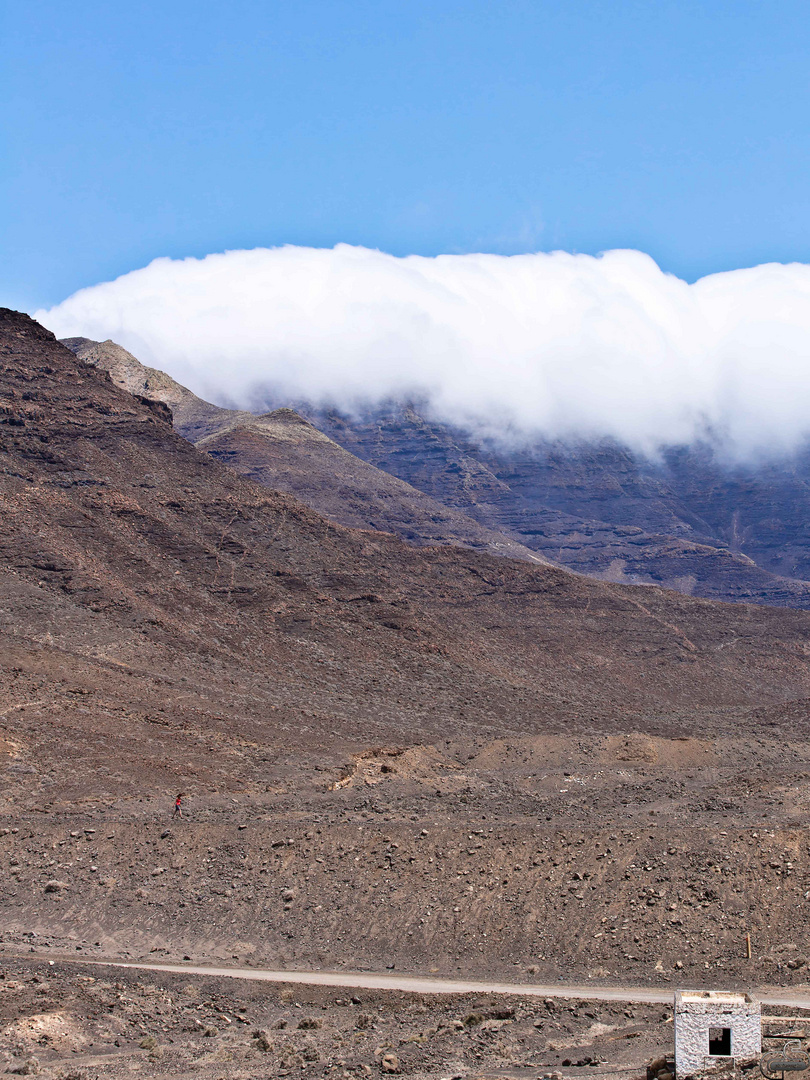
x: 706, y: 997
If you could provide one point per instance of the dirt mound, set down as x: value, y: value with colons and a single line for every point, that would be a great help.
x: 422, y: 764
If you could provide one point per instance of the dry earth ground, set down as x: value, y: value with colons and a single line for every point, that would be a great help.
x: 110, y: 1023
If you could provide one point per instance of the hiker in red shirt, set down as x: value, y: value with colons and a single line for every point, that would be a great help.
x: 177, y: 809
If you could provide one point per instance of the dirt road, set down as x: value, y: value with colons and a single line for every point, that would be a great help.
x: 421, y: 985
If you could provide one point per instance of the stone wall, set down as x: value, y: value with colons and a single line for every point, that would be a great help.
x: 696, y: 1012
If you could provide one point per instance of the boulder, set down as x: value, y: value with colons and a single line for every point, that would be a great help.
x: 261, y: 1041
x: 29, y: 1067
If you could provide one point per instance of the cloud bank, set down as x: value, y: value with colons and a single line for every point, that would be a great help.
x: 521, y: 346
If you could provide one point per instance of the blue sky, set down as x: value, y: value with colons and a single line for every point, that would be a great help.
x: 138, y: 130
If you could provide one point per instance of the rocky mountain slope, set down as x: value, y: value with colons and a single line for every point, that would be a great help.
x: 426, y: 757
x: 124, y: 541
x: 283, y: 451
x: 687, y: 522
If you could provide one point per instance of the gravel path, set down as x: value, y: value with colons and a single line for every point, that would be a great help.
x: 421, y: 985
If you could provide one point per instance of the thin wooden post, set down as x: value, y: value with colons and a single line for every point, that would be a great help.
x: 748, y: 946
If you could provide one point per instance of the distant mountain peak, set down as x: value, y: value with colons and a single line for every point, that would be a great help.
x: 284, y: 451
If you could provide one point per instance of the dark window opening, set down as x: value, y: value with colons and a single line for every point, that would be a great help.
x: 720, y: 1041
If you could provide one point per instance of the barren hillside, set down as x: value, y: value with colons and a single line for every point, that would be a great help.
x: 430, y: 758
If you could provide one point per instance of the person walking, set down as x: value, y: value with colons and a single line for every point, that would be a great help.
x: 178, y: 810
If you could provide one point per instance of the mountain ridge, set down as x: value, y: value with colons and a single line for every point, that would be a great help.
x: 595, y: 509
x: 284, y: 451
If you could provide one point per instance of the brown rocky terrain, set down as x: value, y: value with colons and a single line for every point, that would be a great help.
x: 106, y: 1022
x: 614, y: 858
x: 196, y: 417
x: 283, y: 451
x: 418, y: 759
x: 65, y: 1020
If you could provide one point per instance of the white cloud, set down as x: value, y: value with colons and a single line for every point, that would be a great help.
x: 554, y: 344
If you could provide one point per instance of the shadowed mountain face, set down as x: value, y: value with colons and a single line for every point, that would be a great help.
x: 687, y: 522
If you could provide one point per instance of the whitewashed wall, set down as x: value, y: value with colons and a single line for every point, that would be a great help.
x: 693, y: 1018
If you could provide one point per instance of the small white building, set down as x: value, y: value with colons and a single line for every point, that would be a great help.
x: 713, y: 1025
